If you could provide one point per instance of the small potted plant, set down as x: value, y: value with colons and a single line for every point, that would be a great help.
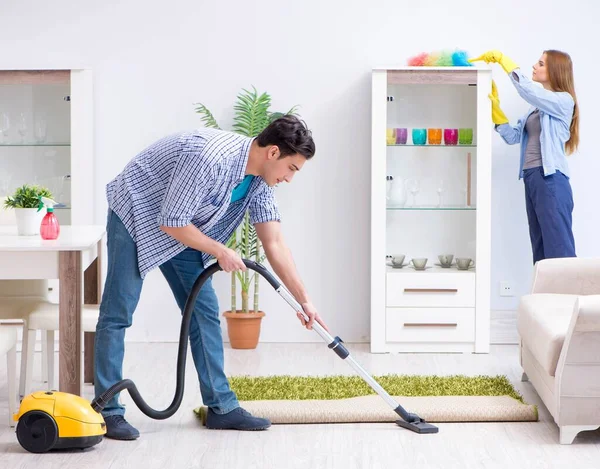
x: 27, y: 204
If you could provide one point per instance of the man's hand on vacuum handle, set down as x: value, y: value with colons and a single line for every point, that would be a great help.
x: 228, y: 259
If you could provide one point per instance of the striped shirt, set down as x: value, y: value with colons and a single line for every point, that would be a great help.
x: 187, y: 178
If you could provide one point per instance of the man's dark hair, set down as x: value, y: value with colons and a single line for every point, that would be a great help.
x: 290, y: 134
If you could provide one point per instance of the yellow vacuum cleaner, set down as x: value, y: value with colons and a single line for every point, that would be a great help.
x: 56, y: 420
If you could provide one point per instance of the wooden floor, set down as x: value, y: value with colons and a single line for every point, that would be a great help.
x: 180, y: 442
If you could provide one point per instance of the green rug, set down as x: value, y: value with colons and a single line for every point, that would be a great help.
x: 250, y: 388
x: 329, y: 399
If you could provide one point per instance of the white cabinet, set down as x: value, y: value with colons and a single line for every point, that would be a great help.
x: 430, y: 198
x: 46, y: 137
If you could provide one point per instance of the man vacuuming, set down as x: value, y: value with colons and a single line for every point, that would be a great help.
x: 174, y: 206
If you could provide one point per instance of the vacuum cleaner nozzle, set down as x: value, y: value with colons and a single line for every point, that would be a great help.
x: 413, y: 422
x: 420, y: 426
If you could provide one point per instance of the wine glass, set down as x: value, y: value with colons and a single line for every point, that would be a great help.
x: 5, y: 179
x: 440, y: 191
x: 4, y: 127
x: 22, y: 127
x: 40, y: 131
x: 413, y: 187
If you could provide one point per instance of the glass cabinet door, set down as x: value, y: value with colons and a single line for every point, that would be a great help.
x: 431, y: 161
x: 35, y: 134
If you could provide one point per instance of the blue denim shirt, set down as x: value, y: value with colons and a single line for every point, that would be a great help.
x: 556, y: 112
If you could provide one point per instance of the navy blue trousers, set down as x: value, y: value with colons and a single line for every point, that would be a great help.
x: 549, y: 202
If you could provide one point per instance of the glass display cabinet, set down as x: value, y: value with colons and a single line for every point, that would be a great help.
x: 46, y: 137
x: 430, y: 209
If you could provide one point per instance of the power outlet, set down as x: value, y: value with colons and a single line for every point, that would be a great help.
x: 506, y: 288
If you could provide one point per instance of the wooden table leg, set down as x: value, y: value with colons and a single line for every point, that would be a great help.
x: 91, y: 296
x: 88, y: 357
x: 69, y: 362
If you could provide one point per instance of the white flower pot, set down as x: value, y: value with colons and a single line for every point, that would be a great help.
x: 29, y: 221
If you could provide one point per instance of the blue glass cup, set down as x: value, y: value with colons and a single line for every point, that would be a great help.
x: 419, y: 136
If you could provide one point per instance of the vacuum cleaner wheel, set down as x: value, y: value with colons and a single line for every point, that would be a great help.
x: 37, y: 431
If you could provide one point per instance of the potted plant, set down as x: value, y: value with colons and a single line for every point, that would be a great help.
x: 27, y: 204
x: 252, y: 115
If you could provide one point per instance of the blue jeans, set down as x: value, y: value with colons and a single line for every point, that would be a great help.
x: 119, y: 300
x: 549, y: 203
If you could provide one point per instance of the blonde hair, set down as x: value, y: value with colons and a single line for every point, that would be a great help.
x: 560, y: 74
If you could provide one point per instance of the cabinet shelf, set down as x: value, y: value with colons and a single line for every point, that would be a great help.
x: 430, y: 146
x: 431, y: 269
x: 25, y: 144
x: 433, y: 207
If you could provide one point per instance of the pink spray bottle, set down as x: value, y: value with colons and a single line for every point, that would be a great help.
x: 49, y: 228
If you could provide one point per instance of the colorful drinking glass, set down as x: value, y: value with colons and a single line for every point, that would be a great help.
x: 390, y: 136
x: 419, y: 136
x: 450, y: 136
x: 465, y: 136
x: 401, y: 136
x: 434, y: 136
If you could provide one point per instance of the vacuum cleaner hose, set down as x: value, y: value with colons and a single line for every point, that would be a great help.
x: 101, y: 401
x: 408, y: 420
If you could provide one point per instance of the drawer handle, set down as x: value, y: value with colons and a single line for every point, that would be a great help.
x: 430, y: 290
x: 430, y: 324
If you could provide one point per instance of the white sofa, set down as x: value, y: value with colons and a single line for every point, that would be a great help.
x: 559, y: 328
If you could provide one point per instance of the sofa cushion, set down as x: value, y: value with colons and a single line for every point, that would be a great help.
x: 542, y: 322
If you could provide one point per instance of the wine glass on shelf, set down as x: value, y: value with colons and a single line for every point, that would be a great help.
x: 5, y: 179
x: 413, y: 187
x: 4, y: 127
x: 40, y: 131
x: 440, y: 191
x: 22, y: 127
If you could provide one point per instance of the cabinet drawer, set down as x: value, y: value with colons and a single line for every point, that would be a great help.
x: 430, y: 324
x: 424, y: 289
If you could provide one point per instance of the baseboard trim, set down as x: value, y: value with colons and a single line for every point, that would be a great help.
x: 503, y: 327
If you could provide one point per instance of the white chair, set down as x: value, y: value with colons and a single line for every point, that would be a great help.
x: 8, y: 347
x: 43, y: 316
x: 17, y: 299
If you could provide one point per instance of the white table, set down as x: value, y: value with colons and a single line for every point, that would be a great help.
x: 73, y: 259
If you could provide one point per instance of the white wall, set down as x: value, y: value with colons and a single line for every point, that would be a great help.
x: 152, y: 61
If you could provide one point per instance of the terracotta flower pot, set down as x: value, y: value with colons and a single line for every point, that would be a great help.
x: 243, y: 328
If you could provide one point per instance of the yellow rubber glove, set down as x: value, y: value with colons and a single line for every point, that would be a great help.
x: 498, y: 116
x: 496, y: 56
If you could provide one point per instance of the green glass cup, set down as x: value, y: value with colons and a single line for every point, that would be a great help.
x: 465, y: 136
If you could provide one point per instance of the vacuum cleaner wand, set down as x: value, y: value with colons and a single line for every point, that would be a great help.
x: 410, y: 421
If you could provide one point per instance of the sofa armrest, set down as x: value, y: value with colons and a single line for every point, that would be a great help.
x: 578, y: 370
x: 586, y: 317
x: 569, y: 275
